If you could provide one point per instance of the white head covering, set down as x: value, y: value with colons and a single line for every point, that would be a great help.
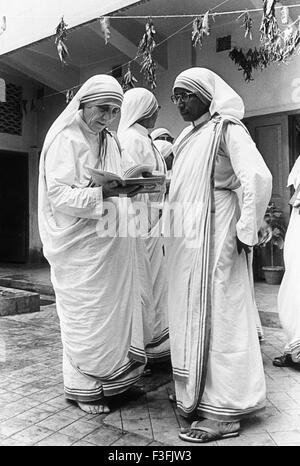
x: 100, y: 87
x: 213, y: 90
x: 159, y: 132
x: 164, y: 147
x: 294, y: 176
x: 138, y: 103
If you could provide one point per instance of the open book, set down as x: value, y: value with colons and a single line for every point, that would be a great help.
x: 138, y: 175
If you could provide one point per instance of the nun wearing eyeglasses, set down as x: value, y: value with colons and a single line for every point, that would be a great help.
x: 138, y: 116
x: 94, y: 274
x: 215, y: 352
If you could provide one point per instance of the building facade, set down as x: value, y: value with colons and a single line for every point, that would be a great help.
x: 36, y: 84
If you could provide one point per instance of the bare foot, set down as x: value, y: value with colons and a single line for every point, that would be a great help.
x: 94, y: 407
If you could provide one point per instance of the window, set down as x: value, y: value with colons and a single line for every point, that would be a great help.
x: 11, y: 111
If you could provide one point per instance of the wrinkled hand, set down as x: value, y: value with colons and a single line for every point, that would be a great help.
x: 242, y: 246
x: 114, y: 189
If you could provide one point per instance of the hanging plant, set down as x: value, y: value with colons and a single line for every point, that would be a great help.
x: 243, y: 61
x: 247, y: 23
x: 291, y: 43
x: 145, y: 49
x: 60, y: 38
x: 284, y: 15
x: 200, y: 27
x: 104, y: 23
x: 69, y: 95
x: 128, y: 79
x: 3, y: 25
x: 269, y: 26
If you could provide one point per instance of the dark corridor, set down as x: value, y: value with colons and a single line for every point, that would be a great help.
x: 14, y: 211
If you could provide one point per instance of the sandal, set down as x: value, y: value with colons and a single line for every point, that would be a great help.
x: 285, y: 361
x: 213, y: 434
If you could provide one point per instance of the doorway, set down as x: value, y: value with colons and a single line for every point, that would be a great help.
x: 14, y: 206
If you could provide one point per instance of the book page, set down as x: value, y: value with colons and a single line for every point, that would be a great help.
x: 100, y: 177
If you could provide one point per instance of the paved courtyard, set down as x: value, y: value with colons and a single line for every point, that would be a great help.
x: 33, y: 410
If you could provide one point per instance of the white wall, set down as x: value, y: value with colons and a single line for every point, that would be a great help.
x: 275, y: 89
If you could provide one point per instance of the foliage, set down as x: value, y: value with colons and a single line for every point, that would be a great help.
x: 273, y: 229
x: 104, y: 23
x: 200, y: 27
x: 277, y: 46
x: 60, y: 38
x: 146, y: 47
x: 129, y: 79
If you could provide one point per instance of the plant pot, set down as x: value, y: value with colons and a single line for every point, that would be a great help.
x: 273, y: 274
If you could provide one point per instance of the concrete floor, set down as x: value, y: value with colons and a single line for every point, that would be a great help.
x: 33, y: 410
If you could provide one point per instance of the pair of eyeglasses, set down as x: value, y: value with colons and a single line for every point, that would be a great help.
x: 165, y: 138
x: 183, y: 97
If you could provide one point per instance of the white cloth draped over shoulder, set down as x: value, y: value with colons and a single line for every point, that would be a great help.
x: 138, y: 148
x: 289, y: 292
x: 94, y: 275
x: 164, y: 147
x: 215, y: 351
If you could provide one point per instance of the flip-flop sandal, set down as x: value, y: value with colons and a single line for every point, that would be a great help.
x: 214, y: 435
x: 285, y: 361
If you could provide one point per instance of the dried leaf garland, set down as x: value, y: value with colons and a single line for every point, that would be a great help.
x: 146, y: 47
x: 280, y: 51
x: 196, y: 32
x: 247, y: 23
x: 243, y: 61
x: 269, y: 26
x: 147, y: 43
x: 3, y: 25
x: 205, y: 23
x: 149, y: 70
x: 128, y: 79
x: 200, y: 27
x: 284, y: 15
x: 60, y: 38
x: 69, y: 95
x: 105, y: 24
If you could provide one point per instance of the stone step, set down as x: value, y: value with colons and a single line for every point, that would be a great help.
x: 25, y: 284
x: 15, y: 301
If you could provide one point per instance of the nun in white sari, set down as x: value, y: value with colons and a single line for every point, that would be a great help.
x: 94, y: 274
x: 289, y: 292
x: 215, y: 352
x: 138, y: 115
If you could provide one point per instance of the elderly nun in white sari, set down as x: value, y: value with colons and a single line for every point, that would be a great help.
x: 215, y: 352
x: 94, y: 274
x: 138, y: 115
x: 289, y: 291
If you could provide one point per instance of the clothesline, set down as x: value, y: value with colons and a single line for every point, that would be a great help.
x: 174, y: 33
x: 124, y: 64
x: 221, y: 13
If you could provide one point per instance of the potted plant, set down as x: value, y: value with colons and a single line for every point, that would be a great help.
x: 272, y: 235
